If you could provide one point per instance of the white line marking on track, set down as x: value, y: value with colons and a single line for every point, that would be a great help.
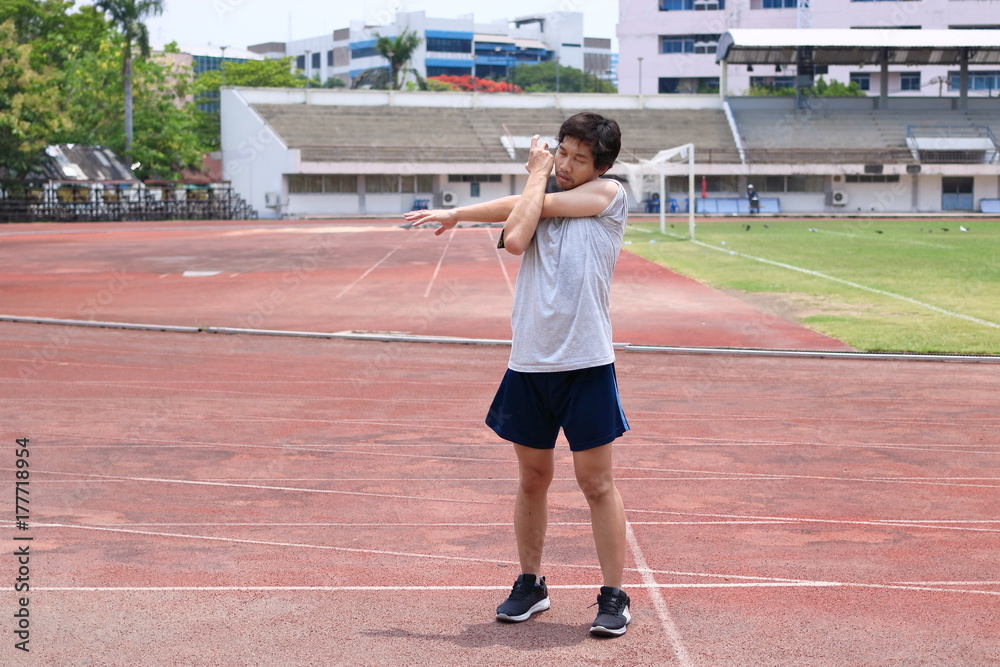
x: 376, y: 265
x: 503, y: 267
x: 437, y: 269
x: 855, y: 285
x: 267, y: 487
x: 655, y: 588
x: 646, y: 573
x: 891, y: 523
x: 658, y: 603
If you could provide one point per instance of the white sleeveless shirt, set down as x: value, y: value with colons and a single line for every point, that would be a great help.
x: 561, y: 319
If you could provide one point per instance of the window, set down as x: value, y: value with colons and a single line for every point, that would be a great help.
x: 871, y: 178
x: 340, y: 183
x: 689, y: 43
x: 909, y: 81
x: 433, y: 70
x: 382, y: 183
x: 320, y: 183
x: 415, y: 184
x: 366, y: 51
x: 977, y: 80
x: 316, y: 60
x: 778, y: 4
x: 863, y: 79
x: 449, y: 45
x: 699, y: 5
x: 772, y: 82
x: 300, y: 62
x: 329, y: 58
x: 395, y: 183
x: 689, y: 86
x: 474, y: 178
x: 669, y: 84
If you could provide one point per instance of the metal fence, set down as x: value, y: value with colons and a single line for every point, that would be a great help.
x: 54, y: 201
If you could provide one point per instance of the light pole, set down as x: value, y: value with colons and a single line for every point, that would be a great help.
x: 308, y: 53
x: 557, y: 74
x: 640, y: 84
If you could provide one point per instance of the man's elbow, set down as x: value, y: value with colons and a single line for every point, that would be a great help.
x: 514, y: 246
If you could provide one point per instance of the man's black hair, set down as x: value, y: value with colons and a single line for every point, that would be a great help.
x: 602, y: 135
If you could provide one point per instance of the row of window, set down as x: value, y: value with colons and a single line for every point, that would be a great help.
x: 449, y: 45
x: 689, y: 43
x: 349, y: 184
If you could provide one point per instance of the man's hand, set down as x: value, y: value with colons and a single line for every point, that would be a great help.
x: 539, y: 158
x: 446, y: 218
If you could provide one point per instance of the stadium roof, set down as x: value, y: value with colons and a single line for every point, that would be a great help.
x: 845, y: 46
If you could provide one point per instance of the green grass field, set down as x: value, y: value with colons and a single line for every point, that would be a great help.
x: 877, y: 285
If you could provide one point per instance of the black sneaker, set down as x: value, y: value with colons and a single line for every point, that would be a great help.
x: 613, y: 614
x: 526, y: 598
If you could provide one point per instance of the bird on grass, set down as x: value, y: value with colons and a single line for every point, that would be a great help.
x: 963, y: 228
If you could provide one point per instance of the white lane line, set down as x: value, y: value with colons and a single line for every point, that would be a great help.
x: 655, y: 588
x: 503, y: 267
x: 437, y: 269
x: 267, y: 487
x: 376, y: 265
x: 892, y: 523
x: 855, y: 285
x: 666, y: 620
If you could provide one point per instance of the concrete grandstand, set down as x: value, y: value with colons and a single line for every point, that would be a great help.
x: 314, y: 153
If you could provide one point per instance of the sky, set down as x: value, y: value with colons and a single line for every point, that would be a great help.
x: 240, y: 23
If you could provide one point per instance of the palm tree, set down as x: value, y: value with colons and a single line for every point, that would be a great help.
x: 398, y: 51
x: 129, y: 15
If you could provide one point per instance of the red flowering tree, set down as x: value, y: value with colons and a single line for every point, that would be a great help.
x: 468, y: 83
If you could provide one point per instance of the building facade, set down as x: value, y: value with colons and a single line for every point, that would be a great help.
x: 668, y: 46
x: 457, y: 46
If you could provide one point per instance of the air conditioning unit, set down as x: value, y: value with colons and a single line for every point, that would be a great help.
x: 449, y: 199
x: 839, y: 198
x: 271, y: 200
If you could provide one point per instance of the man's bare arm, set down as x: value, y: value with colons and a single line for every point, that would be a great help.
x: 496, y: 210
x: 523, y: 219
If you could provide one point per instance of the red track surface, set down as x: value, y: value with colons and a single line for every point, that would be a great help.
x: 231, y: 500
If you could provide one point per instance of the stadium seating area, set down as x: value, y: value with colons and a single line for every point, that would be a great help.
x: 835, y: 132
x: 425, y: 134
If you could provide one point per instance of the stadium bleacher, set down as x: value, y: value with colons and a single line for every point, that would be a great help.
x: 428, y: 134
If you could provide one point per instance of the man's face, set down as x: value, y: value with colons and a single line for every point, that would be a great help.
x: 574, y: 164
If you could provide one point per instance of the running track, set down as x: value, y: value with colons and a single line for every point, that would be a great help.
x: 214, y: 499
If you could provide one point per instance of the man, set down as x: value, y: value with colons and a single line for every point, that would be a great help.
x: 561, y: 369
x: 754, y: 199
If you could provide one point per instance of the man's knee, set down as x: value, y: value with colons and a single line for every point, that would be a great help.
x: 596, y: 487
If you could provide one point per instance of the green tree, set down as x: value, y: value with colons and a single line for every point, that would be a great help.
x: 55, y: 33
x: 542, y: 78
x: 165, y: 123
x: 398, y: 51
x: 28, y: 116
x: 128, y: 16
x: 250, y: 74
x: 820, y: 89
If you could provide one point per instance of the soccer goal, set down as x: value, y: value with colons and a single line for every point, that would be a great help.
x: 667, y: 162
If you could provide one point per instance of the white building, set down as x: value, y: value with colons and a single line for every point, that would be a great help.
x: 455, y: 46
x: 668, y: 46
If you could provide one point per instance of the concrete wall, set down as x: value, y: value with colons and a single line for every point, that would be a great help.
x: 254, y: 157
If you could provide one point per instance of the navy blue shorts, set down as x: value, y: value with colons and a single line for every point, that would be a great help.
x: 529, y: 408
